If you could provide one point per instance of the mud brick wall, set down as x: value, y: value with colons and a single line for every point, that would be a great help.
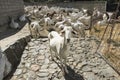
x: 101, y: 5
x: 10, y: 8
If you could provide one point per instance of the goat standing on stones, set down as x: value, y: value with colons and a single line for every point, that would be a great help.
x: 48, y: 22
x: 58, y: 45
x: 35, y: 28
x: 79, y: 27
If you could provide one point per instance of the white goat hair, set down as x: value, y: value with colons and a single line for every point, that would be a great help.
x: 96, y: 12
x: 35, y: 28
x: 105, y: 17
x: 35, y: 11
x: 58, y: 45
x: 59, y: 23
x: 57, y: 17
x: 79, y: 27
x: 85, y: 20
x: 75, y: 10
x: 103, y: 22
x: 5, y: 66
x: 110, y: 15
x: 14, y: 24
x: 84, y: 10
x: 80, y: 14
x: 48, y: 21
x: 61, y: 26
x: 74, y: 16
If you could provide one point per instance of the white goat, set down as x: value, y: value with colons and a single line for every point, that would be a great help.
x: 111, y: 15
x: 48, y: 22
x: 85, y: 20
x: 80, y: 28
x: 74, y: 16
x: 103, y: 22
x: 85, y: 11
x: 35, y: 28
x: 99, y: 25
x: 5, y: 66
x: 35, y: 10
x: 97, y: 15
x: 58, y: 45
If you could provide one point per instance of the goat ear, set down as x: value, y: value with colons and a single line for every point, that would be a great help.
x: 50, y: 36
x: 62, y: 32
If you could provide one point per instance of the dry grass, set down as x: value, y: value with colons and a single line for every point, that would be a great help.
x: 109, y: 48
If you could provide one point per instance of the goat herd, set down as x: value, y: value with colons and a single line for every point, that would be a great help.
x: 61, y: 23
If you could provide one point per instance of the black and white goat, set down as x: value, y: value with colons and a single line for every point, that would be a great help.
x: 35, y: 29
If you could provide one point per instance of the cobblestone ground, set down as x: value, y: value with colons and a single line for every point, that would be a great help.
x: 83, y: 63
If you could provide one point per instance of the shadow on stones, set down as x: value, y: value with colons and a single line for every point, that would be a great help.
x: 11, y: 57
x: 10, y: 75
x: 72, y: 75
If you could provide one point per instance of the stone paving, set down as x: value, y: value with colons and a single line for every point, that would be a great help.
x: 83, y: 63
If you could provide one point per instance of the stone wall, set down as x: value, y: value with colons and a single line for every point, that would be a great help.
x: 78, y: 4
x: 85, y: 4
x: 10, y: 8
x: 15, y: 50
x: 14, y: 53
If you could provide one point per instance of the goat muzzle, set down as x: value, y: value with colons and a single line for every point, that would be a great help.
x: 68, y: 40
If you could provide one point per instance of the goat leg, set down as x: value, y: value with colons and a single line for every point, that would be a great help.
x: 64, y: 66
x: 30, y: 29
x: 60, y: 66
x: 52, y: 58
